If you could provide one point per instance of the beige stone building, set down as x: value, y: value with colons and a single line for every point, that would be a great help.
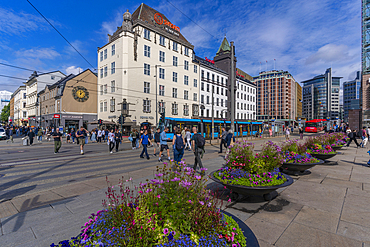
x: 71, y: 102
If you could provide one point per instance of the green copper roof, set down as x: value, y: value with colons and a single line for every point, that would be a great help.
x: 224, y: 46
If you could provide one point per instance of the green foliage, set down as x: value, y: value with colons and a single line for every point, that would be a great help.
x: 5, y: 113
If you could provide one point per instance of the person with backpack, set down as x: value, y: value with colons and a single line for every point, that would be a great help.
x: 81, y: 138
x: 144, y: 140
x: 111, y: 140
x: 118, y: 139
x: 178, y: 146
x: 363, y: 137
x: 230, y: 136
x: 163, y: 142
x: 352, y: 136
x: 198, y: 141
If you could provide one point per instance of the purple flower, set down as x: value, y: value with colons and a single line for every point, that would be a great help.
x: 165, y: 231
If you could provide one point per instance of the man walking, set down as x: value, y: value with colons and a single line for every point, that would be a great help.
x: 163, y: 142
x: 223, y: 139
x: 100, y: 134
x: 301, y: 133
x: 198, y: 142
x: 81, y: 138
x: 110, y: 141
x: 57, y: 136
x: 157, y: 140
x: 352, y: 136
x: 31, y: 135
x: 118, y: 139
x: 363, y: 136
x: 144, y: 140
x: 73, y: 135
x: 10, y: 135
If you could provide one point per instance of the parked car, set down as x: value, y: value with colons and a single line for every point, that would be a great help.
x: 2, y: 134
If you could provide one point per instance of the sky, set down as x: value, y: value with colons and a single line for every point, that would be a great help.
x: 304, y: 37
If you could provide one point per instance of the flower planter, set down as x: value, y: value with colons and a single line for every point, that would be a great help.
x: 337, y: 147
x: 298, y: 168
x: 248, y: 190
x: 323, y: 156
x: 248, y: 234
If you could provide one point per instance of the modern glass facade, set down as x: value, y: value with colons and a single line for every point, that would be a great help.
x: 352, y: 95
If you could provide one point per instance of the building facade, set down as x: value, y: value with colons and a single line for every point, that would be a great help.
x: 321, y: 96
x: 352, y: 95
x: 276, y: 95
x: 5, y: 97
x: 34, y: 85
x: 20, y: 108
x: 11, y: 110
x: 148, y: 62
x: 70, y: 102
x: 299, y: 100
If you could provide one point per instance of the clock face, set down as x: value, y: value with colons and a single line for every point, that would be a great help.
x: 80, y: 94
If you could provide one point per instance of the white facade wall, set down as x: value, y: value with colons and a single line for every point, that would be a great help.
x: 129, y: 78
x: 245, y: 100
x: 5, y: 97
x: 220, y: 92
x: 20, y: 108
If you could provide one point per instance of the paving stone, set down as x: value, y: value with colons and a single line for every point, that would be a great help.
x: 16, y: 238
x: 356, y: 210
x: 366, y: 186
x: 72, y: 190
x: 354, y: 231
x: 99, y: 183
x: 304, y: 236
x: 240, y: 214
x: 318, y: 219
x: 7, y: 209
x: 263, y: 243
x: 358, y: 192
x: 360, y: 174
x: 342, y: 183
x: 316, y: 176
x: 24, y: 203
x: 267, y: 231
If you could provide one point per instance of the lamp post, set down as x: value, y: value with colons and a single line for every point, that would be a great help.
x: 156, y: 95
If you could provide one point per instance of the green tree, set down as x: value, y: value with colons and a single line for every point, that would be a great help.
x: 5, y: 113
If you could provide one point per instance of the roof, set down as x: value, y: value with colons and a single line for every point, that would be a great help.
x: 34, y: 74
x: 225, y: 47
x: 61, y: 83
x: 204, y: 62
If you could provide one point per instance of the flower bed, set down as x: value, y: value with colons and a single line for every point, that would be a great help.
x: 296, y: 153
x: 321, y: 149
x: 174, y: 209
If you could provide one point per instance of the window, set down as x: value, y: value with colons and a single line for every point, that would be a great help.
x: 195, y: 96
x: 105, y: 105
x: 202, y: 99
x: 146, y: 87
x: 186, y: 51
x: 207, y: 99
x: 207, y: 75
x: 207, y: 112
x: 186, y: 110
x: 101, y: 58
x: 186, y: 65
x: 195, y: 69
x: 146, y: 105
x: 222, y: 102
x: 186, y: 80
x: 113, y: 67
x: 146, y: 34
x: 161, y: 73
x: 217, y: 101
x: 174, y: 63
x: 186, y: 94
x: 101, y: 73
x: 162, y: 40
x: 101, y: 106
x: 174, y: 92
x: 105, y: 88
x: 24, y: 104
x: 217, y: 114
x: 222, y: 91
x: 113, y: 49
x: 146, y: 69
x: 218, y: 79
x: 217, y: 90
x: 237, y: 105
x: 202, y: 73
x: 161, y: 90
x: 174, y: 76
x: 174, y: 46
x: 161, y: 56
x: 101, y: 90
x: 24, y: 95
x: 112, y: 86
x: 105, y: 71
x: 195, y: 83
x: 112, y: 105
x: 105, y: 53
x: 195, y: 110
x: 161, y: 107
x: 174, y: 109
x: 213, y: 77
x: 202, y: 86
x: 207, y: 87
x: 146, y: 51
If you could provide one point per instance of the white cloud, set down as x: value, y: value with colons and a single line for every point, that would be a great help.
x: 73, y: 70
x: 38, y: 53
x: 330, y: 53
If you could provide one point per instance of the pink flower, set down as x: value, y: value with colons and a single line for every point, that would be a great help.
x: 159, y: 196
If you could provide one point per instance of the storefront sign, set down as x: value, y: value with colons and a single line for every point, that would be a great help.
x: 112, y: 116
x: 159, y: 19
x: 71, y: 116
x: 209, y: 60
x: 171, y: 31
x: 146, y: 117
x: 56, y: 116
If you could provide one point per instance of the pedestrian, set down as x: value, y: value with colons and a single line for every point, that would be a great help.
x: 150, y: 135
x: 187, y: 138
x: 348, y: 130
x: 68, y: 137
x: 118, y: 139
x: 144, y: 140
x: 111, y: 140
x: 80, y: 135
x: 230, y: 136
x: 57, y: 136
x: 163, y: 142
x: 157, y: 140
x: 73, y: 135
x: 300, y: 129
x: 39, y: 135
x: 223, y: 139
x: 93, y: 135
x: 31, y: 135
x: 352, y: 136
x: 198, y: 143
x: 178, y: 146
x: 270, y: 132
x: 260, y: 132
x: 100, y: 134
x: 134, y: 137
x: 287, y: 134
x: 138, y: 137
x: 10, y: 134
x: 363, y: 136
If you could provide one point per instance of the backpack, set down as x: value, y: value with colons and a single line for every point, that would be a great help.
x: 179, y: 143
x: 200, y: 141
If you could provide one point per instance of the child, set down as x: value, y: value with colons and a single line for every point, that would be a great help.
x: 68, y: 138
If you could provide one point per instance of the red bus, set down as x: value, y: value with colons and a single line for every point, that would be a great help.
x: 315, y: 125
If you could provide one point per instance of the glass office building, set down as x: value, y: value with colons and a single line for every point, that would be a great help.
x: 352, y: 95
x: 321, y: 96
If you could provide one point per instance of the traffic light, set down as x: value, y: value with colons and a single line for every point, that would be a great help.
x: 162, y: 118
x: 100, y: 122
x: 120, y: 120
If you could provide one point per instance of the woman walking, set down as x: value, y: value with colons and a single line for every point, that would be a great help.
x: 301, y: 132
x: 111, y: 139
x: 187, y: 138
x: 144, y: 140
x: 178, y: 146
x: 134, y: 137
x: 93, y: 135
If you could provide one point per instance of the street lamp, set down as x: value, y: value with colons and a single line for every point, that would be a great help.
x: 156, y: 95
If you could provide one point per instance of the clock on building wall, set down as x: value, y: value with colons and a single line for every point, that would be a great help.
x: 80, y: 94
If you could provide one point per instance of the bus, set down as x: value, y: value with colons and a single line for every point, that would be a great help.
x: 315, y: 125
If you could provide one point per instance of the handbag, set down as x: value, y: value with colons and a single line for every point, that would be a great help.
x: 130, y: 138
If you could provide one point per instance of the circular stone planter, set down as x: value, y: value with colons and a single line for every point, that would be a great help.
x: 323, y: 156
x: 298, y: 167
x: 247, y: 190
x: 248, y: 234
x: 337, y: 147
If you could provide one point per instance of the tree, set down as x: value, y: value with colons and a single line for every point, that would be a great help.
x: 5, y: 113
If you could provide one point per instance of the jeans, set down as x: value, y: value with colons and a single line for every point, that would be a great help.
x: 352, y: 139
x: 111, y: 146
x: 57, y: 145
x: 117, y: 145
x: 39, y: 138
x: 145, y: 150
x: 223, y: 143
x: 178, y: 154
x: 137, y: 143
x: 73, y: 139
x: 198, y: 160
x: 362, y: 142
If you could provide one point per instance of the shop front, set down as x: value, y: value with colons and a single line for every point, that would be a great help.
x: 68, y: 121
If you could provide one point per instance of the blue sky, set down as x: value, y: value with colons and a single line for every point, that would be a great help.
x: 305, y: 37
